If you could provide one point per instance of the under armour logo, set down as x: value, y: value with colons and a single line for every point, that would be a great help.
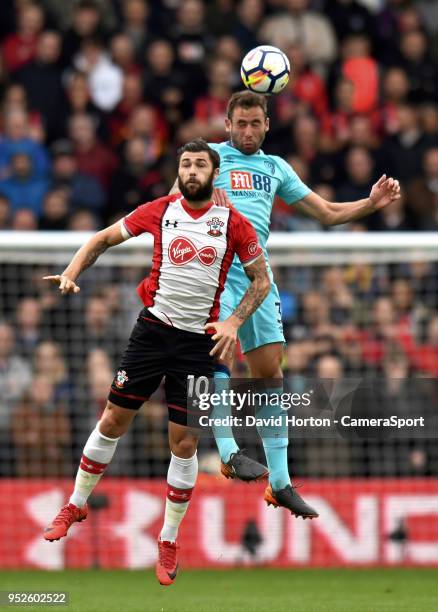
x: 171, y: 223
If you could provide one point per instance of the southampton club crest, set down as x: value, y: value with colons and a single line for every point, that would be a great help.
x: 215, y: 225
x: 121, y: 378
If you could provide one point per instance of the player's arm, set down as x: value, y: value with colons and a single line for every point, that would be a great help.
x: 226, y: 331
x: 385, y: 191
x: 87, y: 255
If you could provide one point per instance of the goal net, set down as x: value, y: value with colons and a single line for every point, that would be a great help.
x: 354, y: 306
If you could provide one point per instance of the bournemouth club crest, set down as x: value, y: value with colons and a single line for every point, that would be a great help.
x: 215, y: 225
x: 121, y: 378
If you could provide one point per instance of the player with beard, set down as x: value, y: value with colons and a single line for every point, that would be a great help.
x: 177, y: 333
x: 250, y: 179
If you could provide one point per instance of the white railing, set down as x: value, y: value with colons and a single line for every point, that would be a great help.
x: 306, y: 248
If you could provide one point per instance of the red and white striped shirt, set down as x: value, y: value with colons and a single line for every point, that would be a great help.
x: 193, y: 250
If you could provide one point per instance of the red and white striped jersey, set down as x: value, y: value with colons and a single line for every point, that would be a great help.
x: 193, y: 250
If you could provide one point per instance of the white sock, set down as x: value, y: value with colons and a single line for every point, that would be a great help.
x: 181, y: 479
x: 97, y: 454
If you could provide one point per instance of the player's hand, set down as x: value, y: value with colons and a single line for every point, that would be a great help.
x: 220, y: 198
x: 226, y: 337
x: 66, y: 285
x: 385, y: 191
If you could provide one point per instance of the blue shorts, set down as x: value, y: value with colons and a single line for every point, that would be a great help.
x: 264, y: 326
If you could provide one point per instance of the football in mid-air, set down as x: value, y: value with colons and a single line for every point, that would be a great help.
x: 265, y: 70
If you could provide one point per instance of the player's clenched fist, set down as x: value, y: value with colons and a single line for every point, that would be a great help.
x: 66, y: 285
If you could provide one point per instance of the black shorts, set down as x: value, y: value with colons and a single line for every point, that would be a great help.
x: 154, y: 350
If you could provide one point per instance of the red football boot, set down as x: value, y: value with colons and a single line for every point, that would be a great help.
x: 65, y: 518
x: 167, y: 564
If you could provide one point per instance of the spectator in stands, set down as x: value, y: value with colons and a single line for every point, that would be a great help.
x: 78, y: 102
x: 297, y: 366
x: 363, y: 134
x: 41, y: 433
x: 360, y: 175
x: 429, y: 120
x: 50, y: 363
x: 15, y: 378
x: 329, y: 457
x: 17, y: 139
x: 384, y: 333
x: 55, y: 210
x: 359, y: 67
x: 86, y: 23
x: 228, y: 48
x: 92, y: 156
x: 15, y: 98
x: 24, y: 220
x: 132, y: 97
x: 29, y: 326
x: 421, y: 70
x: 41, y: 79
x: 23, y: 188
x: 83, y: 221
x: 336, y: 125
x: 192, y: 44
x: 423, y: 192
x: 395, y: 89
x: 123, y: 54
x: 5, y: 213
x: 396, y: 217
x: 314, y: 316
x: 298, y: 23
x: 135, y: 23
x: 105, y: 78
x: 423, y: 356
x: 211, y: 108
x: 351, y: 17
x: 136, y: 181
x: 423, y: 277
x: 249, y: 16
x: 403, y: 152
x: 19, y: 48
x: 428, y: 9
x: 164, y: 86
x: 63, y: 13
x: 83, y: 190
x: 96, y: 332
x: 339, y: 295
x: 146, y: 123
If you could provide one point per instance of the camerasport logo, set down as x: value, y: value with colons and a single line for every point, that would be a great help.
x: 182, y: 251
x: 253, y: 248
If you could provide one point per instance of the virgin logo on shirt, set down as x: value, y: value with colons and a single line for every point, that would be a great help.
x: 182, y: 251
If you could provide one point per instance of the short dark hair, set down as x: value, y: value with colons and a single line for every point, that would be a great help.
x: 247, y: 99
x: 197, y: 146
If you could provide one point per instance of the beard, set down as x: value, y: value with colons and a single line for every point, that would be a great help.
x: 196, y: 191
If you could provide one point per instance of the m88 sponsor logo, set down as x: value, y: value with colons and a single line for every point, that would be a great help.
x: 243, y: 181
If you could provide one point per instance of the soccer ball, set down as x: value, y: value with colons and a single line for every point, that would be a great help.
x: 265, y: 70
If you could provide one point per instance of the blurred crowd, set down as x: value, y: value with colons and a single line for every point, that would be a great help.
x: 96, y: 95
x: 376, y: 323
x: 95, y: 98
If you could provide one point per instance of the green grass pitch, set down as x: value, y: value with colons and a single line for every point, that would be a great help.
x: 249, y: 590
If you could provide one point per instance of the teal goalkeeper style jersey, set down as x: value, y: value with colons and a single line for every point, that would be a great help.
x: 252, y: 182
